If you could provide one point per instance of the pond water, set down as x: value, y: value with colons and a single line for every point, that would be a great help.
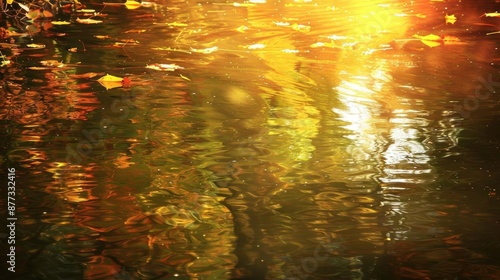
x: 279, y: 140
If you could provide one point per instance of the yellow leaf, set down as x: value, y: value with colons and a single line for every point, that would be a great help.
x: 102, y: 37
x: 256, y: 46
x: 205, y: 51
x: 131, y: 5
x: 450, y: 19
x: 86, y: 11
x: 36, y: 46
x: 135, y: 31
x: 52, y: 63
x: 242, y: 29
x: 60, y: 22
x: 243, y: 4
x: 185, y: 78
x: 301, y: 27
x: 164, y: 67
x: 110, y: 81
x: 111, y: 85
x: 281, y: 23
x: 10, y: 2
x: 495, y: 14
x: 176, y: 24
x: 321, y: 44
x: 430, y: 37
x: 110, y: 78
x: 88, y: 21
x: 431, y: 44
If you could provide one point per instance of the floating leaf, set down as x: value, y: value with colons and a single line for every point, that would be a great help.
x: 243, y: 4
x: 24, y: 7
x: 121, y: 44
x: 8, y: 46
x: 10, y: 2
x: 430, y: 37
x: 280, y: 23
x: 47, y: 14
x: 336, y: 37
x: 136, y: 31
x: 33, y: 14
x: 10, y: 33
x: 52, y: 63
x: 242, y: 29
x: 430, y: 40
x: 171, y: 49
x: 185, y: 78
x: 301, y: 27
x: 102, y: 37
x: 178, y: 24
x: 431, y: 44
x: 60, y: 22
x: 164, y: 67
x: 290, y: 51
x: 85, y: 11
x: 205, y: 51
x: 146, y: 4
x: 450, y: 19
x: 110, y: 78
x: 495, y: 14
x: 110, y: 81
x: 88, y: 21
x: 36, y: 46
x: 132, y: 41
x: 327, y: 45
x: 255, y: 46
x: 131, y: 5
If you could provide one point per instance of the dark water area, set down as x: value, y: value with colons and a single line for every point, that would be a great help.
x: 253, y: 140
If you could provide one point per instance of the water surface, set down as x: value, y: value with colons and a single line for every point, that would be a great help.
x: 294, y: 140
